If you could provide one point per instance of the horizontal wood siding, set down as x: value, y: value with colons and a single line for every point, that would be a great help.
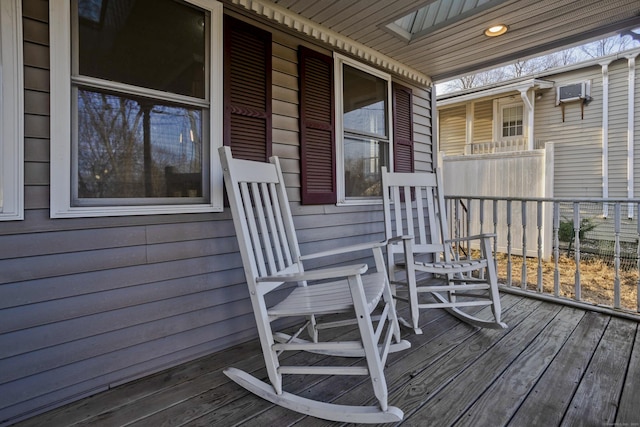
x: 618, y: 120
x: 578, y: 140
x: 453, y: 130
x: 423, y: 118
x: 483, y: 121
x: 89, y: 303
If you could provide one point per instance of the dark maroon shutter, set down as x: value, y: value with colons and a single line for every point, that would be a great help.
x: 247, y: 90
x: 402, y: 129
x: 317, y: 130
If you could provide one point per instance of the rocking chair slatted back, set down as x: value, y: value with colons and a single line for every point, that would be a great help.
x: 271, y: 257
x: 271, y: 245
x: 410, y: 214
x: 429, y: 261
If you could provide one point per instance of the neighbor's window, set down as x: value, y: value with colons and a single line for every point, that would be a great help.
x: 144, y: 122
x: 364, y: 131
x: 512, y: 119
x: 11, y: 112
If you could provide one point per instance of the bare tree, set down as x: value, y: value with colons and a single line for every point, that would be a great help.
x: 524, y: 67
x: 607, y: 46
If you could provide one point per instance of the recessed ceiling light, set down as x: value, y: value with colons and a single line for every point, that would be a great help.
x: 496, y: 30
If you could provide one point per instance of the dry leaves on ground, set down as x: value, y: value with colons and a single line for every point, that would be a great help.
x: 597, y: 279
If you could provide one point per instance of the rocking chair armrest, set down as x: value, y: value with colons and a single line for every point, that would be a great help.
x: 318, y: 274
x: 346, y: 249
x: 474, y: 237
x: 396, y: 239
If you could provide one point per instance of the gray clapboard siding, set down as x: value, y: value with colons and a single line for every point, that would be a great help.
x: 59, y: 242
x: 87, y: 303
x: 99, y: 371
x: 578, y: 141
x: 39, y: 350
x: 36, y: 79
x: 38, y: 267
x: 36, y: 150
x: 76, y: 285
x: 36, y: 126
x: 23, y: 317
x: 36, y: 102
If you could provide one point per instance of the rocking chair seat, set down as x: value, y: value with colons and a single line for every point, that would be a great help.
x: 328, y: 298
x: 454, y: 267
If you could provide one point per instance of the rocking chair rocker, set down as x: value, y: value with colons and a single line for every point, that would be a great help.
x: 416, y: 228
x: 271, y: 258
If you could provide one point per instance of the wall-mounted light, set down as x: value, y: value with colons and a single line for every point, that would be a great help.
x: 496, y: 30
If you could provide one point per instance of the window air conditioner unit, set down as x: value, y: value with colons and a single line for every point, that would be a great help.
x: 573, y: 92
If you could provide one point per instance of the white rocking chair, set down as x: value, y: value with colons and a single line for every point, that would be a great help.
x: 271, y: 258
x: 417, y: 229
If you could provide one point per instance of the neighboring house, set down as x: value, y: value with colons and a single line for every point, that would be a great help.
x: 588, y: 111
x: 119, y: 259
x: 567, y: 132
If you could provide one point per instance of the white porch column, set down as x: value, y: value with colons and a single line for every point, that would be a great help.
x: 630, y: 131
x: 529, y: 114
x: 605, y: 135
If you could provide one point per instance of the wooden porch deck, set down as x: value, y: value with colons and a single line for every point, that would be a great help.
x: 555, y: 365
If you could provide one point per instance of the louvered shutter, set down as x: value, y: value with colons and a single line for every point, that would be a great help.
x: 247, y: 90
x: 317, y: 128
x: 402, y: 129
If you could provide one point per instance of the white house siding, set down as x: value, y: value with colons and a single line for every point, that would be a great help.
x: 483, y: 121
x: 453, y: 125
x: 88, y: 303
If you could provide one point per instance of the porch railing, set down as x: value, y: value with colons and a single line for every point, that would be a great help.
x: 581, y: 252
x: 502, y: 146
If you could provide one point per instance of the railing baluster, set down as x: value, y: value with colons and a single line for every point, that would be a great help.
x: 468, y: 231
x: 456, y: 208
x: 616, y: 257
x: 576, y: 241
x: 465, y: 222
x: 638, y: 262
x: 539, y: 222
x: 556, y: 248
x: 508, y: 242
x: 523, y: 281
x: 495, y: 236
x: 481, y: 216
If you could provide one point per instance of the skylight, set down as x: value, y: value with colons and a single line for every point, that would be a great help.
x: 438, y: 14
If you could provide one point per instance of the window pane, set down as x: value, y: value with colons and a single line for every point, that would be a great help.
x: 136, y: 148
x: 156, y: 44
x: 512, y: 121
x: 363, y: 159
x: 364, y: 102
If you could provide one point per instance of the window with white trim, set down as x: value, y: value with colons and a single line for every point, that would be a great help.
x: 364, y: 142
x: 137, y: 90
x: 11, y: 112
x: 512, y: 120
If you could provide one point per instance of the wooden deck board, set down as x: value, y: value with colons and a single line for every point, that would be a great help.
x: 548, y: 400
x: 596, y: 399
x: 499, y: 402
x: 555, y: 365
x: 628, y: 410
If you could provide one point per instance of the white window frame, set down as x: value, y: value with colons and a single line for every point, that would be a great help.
x: 498, y: 109
x: 61, y: 134
x: 339, y: 62
x: 11, y: 112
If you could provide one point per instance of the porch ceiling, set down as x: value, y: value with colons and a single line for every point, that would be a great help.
x: 448, y: 40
